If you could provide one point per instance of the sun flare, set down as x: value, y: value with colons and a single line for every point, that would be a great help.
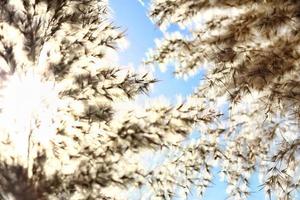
x: 28, y: 108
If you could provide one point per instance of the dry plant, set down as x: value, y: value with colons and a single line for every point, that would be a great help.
x: 250, y: 53
x: 64, y: 134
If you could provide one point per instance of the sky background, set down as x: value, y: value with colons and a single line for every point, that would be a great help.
x: 131, y: 16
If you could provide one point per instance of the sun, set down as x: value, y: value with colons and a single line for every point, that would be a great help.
x: 29, y: 105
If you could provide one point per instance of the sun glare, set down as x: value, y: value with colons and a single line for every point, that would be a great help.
x: 28, y: 109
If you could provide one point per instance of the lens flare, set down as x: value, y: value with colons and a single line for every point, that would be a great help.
x: 29, y: 106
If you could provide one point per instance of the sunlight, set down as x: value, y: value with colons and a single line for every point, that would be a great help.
x: 28, y: 109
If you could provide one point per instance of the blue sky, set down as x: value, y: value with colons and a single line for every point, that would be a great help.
x: 131, y: 16
x: 140, y: 32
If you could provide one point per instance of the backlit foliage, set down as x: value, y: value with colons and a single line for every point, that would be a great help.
x: 250, y: 52
x: 68, y: 126
x: 64, y: 134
